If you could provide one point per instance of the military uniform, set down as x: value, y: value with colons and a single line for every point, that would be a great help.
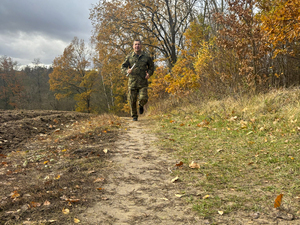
x: 137, y: 83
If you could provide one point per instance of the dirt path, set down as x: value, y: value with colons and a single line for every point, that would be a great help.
x: 139, y: 188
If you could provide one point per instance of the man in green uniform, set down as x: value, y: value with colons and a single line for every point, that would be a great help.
x: 139, y: 66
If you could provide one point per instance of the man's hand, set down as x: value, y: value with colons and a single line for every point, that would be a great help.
x: 147, y: 75
x: 129, y: 71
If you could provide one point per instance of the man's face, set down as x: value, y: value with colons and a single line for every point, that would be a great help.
x: 137, y: 46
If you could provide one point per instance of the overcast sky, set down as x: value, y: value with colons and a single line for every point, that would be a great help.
x: 31, y: 29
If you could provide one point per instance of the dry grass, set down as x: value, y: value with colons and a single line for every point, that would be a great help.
x: 248, y: 149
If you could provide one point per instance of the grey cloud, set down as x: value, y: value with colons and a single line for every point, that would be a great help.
x: 42, y: 28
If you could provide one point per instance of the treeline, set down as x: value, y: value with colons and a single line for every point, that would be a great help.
x: 215, y: 47
x: 29, y: 88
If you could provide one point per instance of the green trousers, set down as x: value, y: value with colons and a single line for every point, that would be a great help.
x: 134, y: 95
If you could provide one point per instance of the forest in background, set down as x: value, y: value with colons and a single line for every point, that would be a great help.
x: 215, y: 48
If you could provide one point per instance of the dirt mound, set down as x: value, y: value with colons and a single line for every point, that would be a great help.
x: 16, y: 127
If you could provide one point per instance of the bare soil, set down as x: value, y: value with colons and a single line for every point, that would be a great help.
x: 69, y: 168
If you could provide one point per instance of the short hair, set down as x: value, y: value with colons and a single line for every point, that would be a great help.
x: 138, y: 41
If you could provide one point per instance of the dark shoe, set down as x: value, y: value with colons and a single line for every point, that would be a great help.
x: 141, y: 109
x: 134, y: 119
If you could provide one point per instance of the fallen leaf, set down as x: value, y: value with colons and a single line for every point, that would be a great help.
x: 72, y: 200
x: 66, y: 211
x: 175, y: 179
x: 76, y: 220
x: 99, y: 180
x: 25, y: 163
x: 194, y: 165
x: 178, y: 195
x: 233, y: 118
x: 11, y: 212
x: 105, y: 150
x: 203, y: 123
x: 206, y: 196
x: 221, y: 212
x: 182, y: 124
x: 2, y: 156
x: 35, y: 204
x: 46, y: 203
x: 179, y: 164
x: 14, y: 194
x: 278, y: 201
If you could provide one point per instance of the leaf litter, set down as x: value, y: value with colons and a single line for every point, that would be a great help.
x: 61, y: 158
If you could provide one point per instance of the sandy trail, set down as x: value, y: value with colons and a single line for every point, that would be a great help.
x: 139, y: 188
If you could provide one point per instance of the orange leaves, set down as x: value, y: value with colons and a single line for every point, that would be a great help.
x: 35, y: 204
x: 281, y: 23
x: 14, y: 194
x: 278, y: 200
x: 2, y: 156
x: 179, y: 164
x: 158, y: 84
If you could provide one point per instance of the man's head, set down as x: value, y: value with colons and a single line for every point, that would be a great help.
x: 137, y: 46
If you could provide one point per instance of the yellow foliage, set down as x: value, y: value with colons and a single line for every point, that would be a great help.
x: 158, y: 85
x: 281, y: 23
x: 184, y: 77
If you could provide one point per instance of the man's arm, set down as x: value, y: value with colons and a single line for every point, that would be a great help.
x: 150, y: 66
x: 125, y: 65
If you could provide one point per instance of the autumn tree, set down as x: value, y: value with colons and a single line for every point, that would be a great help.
x: 160, y: 24
x: 10, y: 84
x: 71, y: 78
x: 241, y: 38
x: 281, y: 25
x: 183, y: 77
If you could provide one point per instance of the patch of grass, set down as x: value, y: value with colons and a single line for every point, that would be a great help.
x: 248, y: 150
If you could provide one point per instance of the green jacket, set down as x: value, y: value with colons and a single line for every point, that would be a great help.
x: 143, y: 63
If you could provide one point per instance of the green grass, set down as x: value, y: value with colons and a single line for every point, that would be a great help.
x: 248, y: 150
